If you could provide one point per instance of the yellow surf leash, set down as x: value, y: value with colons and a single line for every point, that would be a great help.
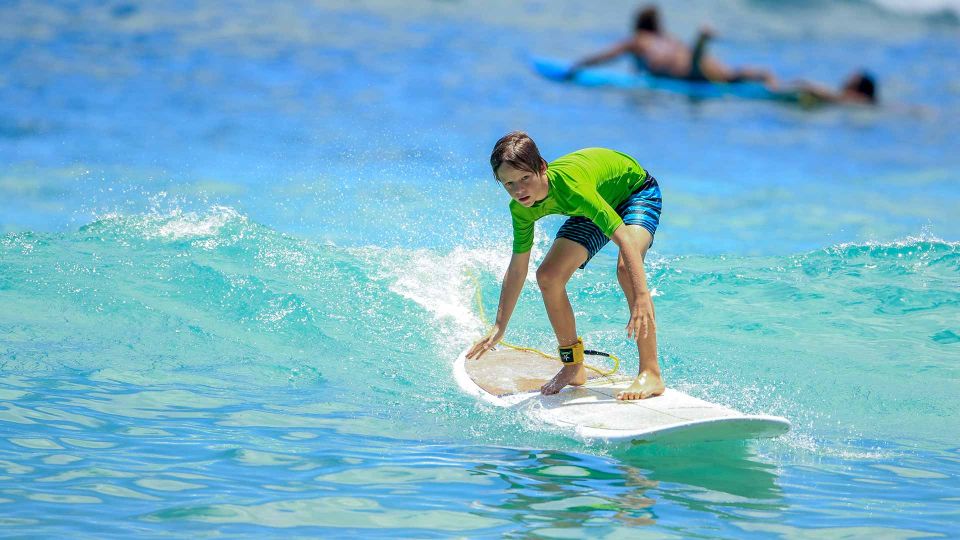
x: 483, y: 317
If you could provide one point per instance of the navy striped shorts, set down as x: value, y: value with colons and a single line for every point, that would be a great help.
x: 641, y: 208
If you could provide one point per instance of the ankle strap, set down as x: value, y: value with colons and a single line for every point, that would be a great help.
x: 572, y: 354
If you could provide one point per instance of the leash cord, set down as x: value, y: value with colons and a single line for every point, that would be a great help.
x: 483, y: 317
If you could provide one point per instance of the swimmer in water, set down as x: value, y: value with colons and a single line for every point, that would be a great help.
x: 859, y: 88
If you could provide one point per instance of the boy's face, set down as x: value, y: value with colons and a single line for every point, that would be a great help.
x: 524, y: 186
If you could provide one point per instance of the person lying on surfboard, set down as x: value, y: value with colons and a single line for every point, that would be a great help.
x: 608, y: 196
x: 664, y: 55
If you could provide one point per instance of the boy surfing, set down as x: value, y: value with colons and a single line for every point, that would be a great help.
x: 608, y: 196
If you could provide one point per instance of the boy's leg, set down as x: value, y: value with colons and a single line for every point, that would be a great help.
x: 649, y: 382
x: 554, y: 272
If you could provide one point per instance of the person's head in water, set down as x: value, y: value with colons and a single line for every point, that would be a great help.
x: 648, y: 20
x: 517, y: 164
x: 862, y: 85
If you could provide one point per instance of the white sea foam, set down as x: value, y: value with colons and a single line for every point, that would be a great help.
x: 921, y: 7
x: 443, y: 284
x: 181, y: 225
x: 174, y: 223
x: 447, y: 284
x: 924, y: 236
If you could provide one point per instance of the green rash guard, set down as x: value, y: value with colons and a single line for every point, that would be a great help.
x: 589, y: 183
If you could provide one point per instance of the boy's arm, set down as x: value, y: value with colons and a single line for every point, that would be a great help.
x: 601, y: 57
x: 513, y: 282
x: 641, y: 316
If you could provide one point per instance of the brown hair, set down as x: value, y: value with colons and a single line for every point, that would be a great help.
x: 866, y: 85
x: 648, y: 19
x: 519, y: 151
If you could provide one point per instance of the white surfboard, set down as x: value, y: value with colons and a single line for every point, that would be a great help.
x: 511, y: 378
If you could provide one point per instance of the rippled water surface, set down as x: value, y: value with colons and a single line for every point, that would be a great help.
x: 239, y: 246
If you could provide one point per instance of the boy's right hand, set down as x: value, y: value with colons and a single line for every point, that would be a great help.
x: 487, y: 343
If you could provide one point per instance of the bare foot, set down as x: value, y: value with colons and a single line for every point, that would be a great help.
x: 572, y: 374
x: 644, y: 386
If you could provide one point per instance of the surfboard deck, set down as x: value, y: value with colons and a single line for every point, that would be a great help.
x: 557, y: 71
x: 510, y: 378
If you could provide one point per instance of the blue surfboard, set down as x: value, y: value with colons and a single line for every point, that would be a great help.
x: 558, y: 71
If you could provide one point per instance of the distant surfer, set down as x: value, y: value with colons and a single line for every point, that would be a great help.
x: 608, y: 196
x: 859, y: 88
x: 663, y: 55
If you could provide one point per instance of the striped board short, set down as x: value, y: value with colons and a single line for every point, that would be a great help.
x: 641, y: 208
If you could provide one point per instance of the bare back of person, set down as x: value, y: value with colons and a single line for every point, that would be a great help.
x: 666, y: 56
x: 661, y: 55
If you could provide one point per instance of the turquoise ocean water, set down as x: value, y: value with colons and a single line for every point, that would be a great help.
x: 238, y: 241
